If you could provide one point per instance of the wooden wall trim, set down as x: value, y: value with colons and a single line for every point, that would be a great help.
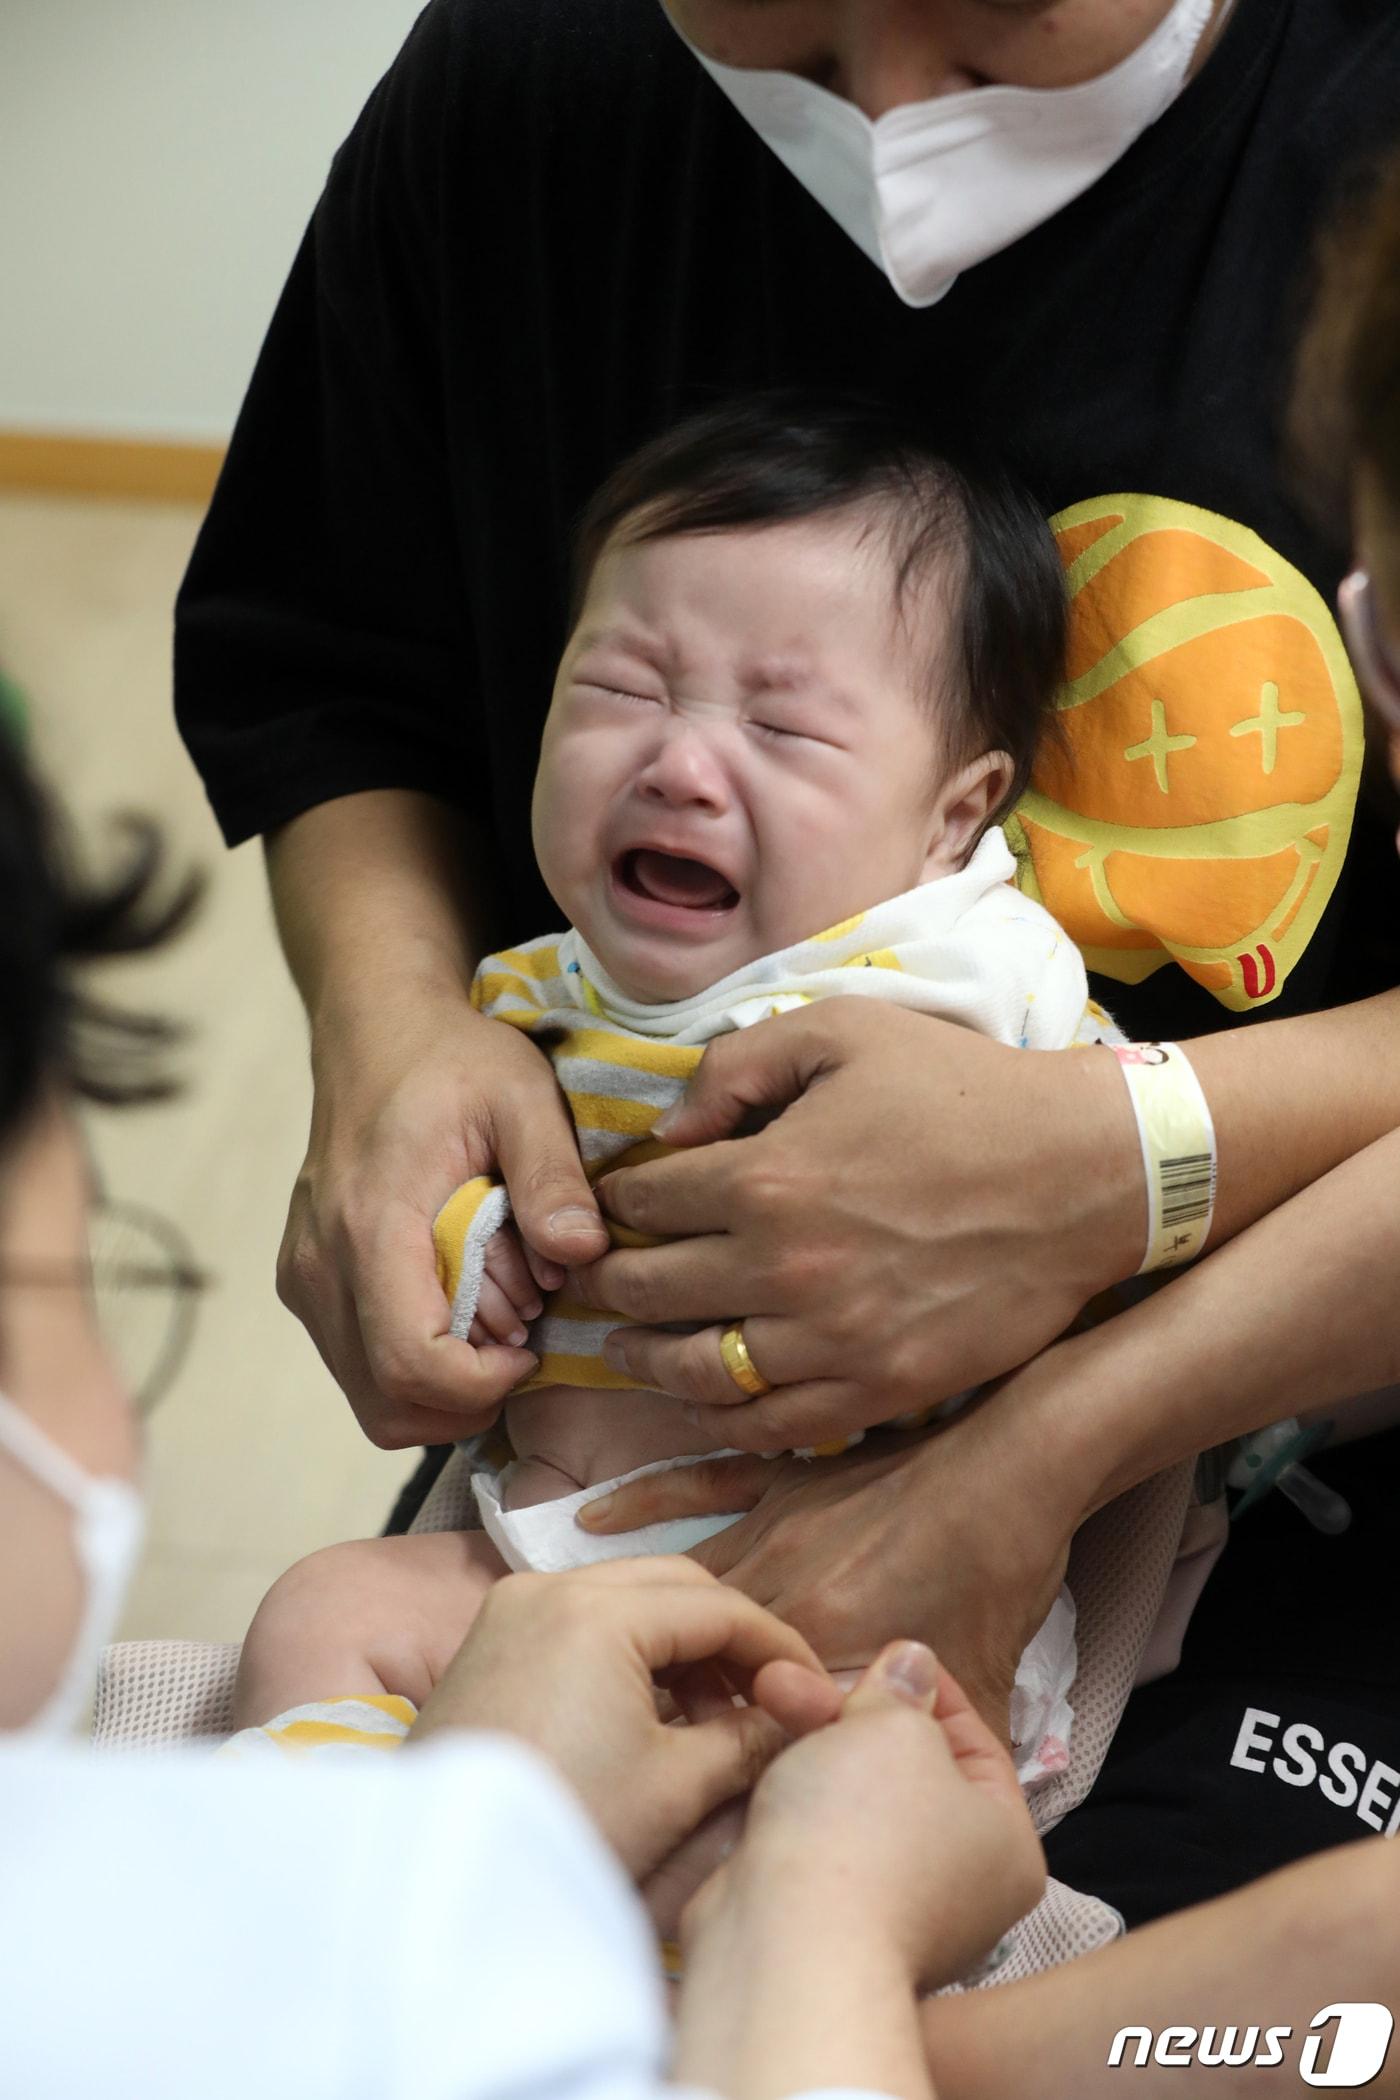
x: 70, y: 463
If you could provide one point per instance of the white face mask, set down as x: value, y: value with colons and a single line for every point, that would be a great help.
x: 108, y: 1524
x: 931, y: 188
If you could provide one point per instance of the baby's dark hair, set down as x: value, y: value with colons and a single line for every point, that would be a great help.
x: 954, y: 522
x: 53, y: 920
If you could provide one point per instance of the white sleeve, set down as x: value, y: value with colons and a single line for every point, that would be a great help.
x: 436, y: 1923
x: 442, y: 1924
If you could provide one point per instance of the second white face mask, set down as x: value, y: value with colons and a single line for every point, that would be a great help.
x: 932, y: 188
x: 108, y: 1519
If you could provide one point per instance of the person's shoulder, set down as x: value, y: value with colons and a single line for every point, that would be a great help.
x: 139, y: 1811
x: 534, y: 978
x: 1295, y: 94
x: 1349, y: 36
x: 540, y: 960
x: 1025, y: 950
x: 1338, y: 64
x: 539, y: 42
x: 1023, y: 929
x: 464, y: 1852
x: 487, y: 100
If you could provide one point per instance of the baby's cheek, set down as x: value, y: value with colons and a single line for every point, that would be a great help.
x: 564, y: 829
x: 816, y: 870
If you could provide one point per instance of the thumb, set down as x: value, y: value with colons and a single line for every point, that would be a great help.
x: 554, y: 1207
x: 768, y: 1066
x: 711, y: 1487
x: 903, y: 1670
x: 979, y: 1751
x: 800, y: 1699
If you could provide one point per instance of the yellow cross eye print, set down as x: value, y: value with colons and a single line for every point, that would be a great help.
x: 1197, y: 803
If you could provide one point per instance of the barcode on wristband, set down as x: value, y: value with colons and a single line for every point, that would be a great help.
x: 1187, y: 1186
x: 1178, y: 1150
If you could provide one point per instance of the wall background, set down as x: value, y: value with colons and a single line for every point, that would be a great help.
x: 158, y: 162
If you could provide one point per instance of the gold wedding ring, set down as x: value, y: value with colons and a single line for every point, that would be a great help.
x: 734, y: 1353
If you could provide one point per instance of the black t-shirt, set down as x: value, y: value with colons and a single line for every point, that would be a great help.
x: 1279, y: 1735
x: 550, y: 234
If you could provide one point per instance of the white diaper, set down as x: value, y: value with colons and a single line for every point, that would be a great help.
x: 1041, y: 1715
x: 544, y: 1538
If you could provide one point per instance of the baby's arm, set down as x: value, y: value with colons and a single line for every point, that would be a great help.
x: 362, y: 1619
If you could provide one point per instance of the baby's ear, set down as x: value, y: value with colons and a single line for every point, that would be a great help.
x: 962, y: 808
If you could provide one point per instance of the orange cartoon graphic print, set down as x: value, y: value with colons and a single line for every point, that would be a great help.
x: 1196, y: 804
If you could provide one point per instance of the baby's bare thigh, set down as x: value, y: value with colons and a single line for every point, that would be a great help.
x: 364, y: 1618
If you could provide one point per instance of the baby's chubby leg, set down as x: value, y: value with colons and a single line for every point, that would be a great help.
x: 361, y: 1619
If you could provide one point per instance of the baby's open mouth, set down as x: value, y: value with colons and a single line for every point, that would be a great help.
x: 669, y: 878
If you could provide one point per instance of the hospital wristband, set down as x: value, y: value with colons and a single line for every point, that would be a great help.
x: 1178, y: 1150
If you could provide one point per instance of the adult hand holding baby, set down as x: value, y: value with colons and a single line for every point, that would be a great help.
x: 961, y: 1537
x: 414, y: 1093
x: 442, y: 1095
x: 925, y: 1211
